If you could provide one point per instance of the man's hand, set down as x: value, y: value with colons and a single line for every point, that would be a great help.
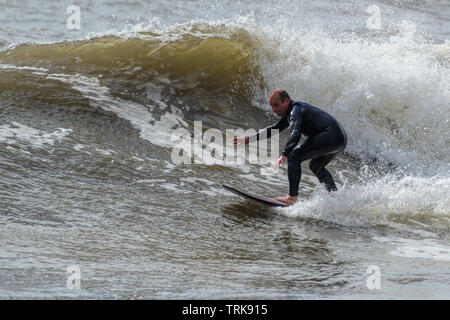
x: 280, y: 161
x: 239, y: 140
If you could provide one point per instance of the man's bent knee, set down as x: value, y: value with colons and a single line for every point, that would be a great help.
x: 314, y: 167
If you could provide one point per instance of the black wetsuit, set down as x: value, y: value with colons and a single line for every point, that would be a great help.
x: 326, y: 138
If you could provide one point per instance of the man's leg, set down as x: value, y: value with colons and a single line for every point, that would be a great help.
x: 294, y: 175
x: 322, y: 149
x: 317, y: 166
x: 315, y: 148
x: 299, y: 154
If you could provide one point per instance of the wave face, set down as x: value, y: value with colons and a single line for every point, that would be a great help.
x: 391, y: 95
x: 194, y: 56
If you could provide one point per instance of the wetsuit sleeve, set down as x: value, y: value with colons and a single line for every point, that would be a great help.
x: 296, y: 132
x: 281, y: 124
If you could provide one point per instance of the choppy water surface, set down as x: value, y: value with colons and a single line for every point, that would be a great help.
x: 86, y: 138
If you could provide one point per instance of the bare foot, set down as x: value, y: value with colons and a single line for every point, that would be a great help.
x: 288, y: 199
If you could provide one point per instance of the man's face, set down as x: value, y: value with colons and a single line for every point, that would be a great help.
x: 278, y: 106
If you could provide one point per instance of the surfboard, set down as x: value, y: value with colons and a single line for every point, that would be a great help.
x: 260, y: 199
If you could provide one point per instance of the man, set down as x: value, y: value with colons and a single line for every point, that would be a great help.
x: 326, y: 138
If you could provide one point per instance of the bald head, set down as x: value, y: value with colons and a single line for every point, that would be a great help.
x: 279, y: 100
x: 280, y: 93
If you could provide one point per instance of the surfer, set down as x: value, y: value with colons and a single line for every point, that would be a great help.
x: 326, y: 138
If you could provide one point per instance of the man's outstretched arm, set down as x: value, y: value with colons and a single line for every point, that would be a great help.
x: 280, y: 125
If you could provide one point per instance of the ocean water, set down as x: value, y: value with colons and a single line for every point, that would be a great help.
x: 89, y: 105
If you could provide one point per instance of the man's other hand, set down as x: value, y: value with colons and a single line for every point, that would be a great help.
x: 279, y: 162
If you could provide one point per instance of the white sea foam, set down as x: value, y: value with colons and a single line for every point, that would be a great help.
x: 391, y: 96
x: 377, y: 203
x: 105, y: 152
x: 412, y: 248
x: 155, y: 131
x: 24, y: 136
x: 12, y: 67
